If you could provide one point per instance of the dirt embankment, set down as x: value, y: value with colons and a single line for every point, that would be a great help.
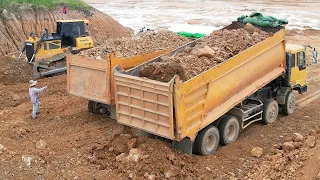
x: 15, y: 26
x: 219, y: 46
x: 145, y: 43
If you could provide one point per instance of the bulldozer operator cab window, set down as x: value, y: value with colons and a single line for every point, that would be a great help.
x: 70, y: 31
x: 291, y: 60
x: 66, y: 35
x: 301, y: 60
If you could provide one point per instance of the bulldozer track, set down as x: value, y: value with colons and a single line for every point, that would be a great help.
x: 308, y: 99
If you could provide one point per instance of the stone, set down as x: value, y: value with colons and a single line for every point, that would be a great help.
x: 98, y: 58
x: 121, y: 157
x: 15, y: 97
x: 297, y: 145
x: 110, y: 149
x: 4, y: 12
x: 206, y: 51
x: 27, y: 159
x: 277, y: 146
x: 2, y: 148
x: 131, y: 175
x: 311, y: 141
x: 170, y: 156
x: 132, y: 143
x: 172, y: 172
x: 151, y: 177
x: 297, y: 137
x: 257, y: 151
x: 313, y: 132
x: 41, y: 144
x: 57, y: 118
x: 119, y: 144
x: 134, y: 155
x: 288, y: 146
x: 287, y: 139
x: 21, y: 133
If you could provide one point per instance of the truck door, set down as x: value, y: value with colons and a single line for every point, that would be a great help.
x: 298, y: 69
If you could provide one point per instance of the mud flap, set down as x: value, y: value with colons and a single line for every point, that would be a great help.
x: 185, y: 145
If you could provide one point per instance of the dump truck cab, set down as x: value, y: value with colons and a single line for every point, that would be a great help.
x: 296, y: 73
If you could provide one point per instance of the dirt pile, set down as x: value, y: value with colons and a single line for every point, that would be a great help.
x: 137, y: 157
x: 143, y: 44
x: 285, y: 159
x: 219, y: 46
x: 15, y: 26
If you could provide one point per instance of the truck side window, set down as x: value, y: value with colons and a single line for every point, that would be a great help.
x: 301, y: 60
x: 291, y: 60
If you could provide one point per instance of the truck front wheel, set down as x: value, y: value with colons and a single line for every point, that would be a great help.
x: 270, y: 111
x: 229, y: 128
x: 207, y: 141
x: 290, y: 104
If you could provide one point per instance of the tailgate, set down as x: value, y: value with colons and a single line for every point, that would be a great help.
x: 144, y: 104
x: 89, y: 78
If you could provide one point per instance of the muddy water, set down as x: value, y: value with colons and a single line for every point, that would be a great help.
x: 206, y: 15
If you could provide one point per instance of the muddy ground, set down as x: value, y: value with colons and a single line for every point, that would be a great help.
x: 67, y: 142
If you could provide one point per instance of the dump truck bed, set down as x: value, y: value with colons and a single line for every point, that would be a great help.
x: 91, y: 78
x: 177, y: 109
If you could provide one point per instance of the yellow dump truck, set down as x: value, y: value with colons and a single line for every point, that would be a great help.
x: 91, y: 78
x: 214, y: 106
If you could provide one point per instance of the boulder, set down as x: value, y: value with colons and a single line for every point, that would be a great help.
x: 311, y: 141
x: 288, y: 146
x: 297, y: 137
x: 257, y: 151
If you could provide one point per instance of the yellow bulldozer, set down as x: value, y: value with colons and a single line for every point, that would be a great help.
x: 47, y: 53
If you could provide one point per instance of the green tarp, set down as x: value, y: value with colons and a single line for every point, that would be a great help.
x: 258, y: 19
x: 191, y: 35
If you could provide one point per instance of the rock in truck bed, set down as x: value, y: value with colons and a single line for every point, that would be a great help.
x: 147, y: 42
x: 209, y: 51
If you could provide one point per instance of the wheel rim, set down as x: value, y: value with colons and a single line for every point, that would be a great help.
x: 291, y: 103
x: 231, y: 132
x: 272, y: 112
x: 210, y: 142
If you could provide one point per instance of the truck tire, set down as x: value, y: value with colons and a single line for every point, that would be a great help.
x: 207, y: 141
x: 229, y: 129
x: 290, y: 104
x: 96, y: 108
x: 90, y: 106
x: 270, y: 111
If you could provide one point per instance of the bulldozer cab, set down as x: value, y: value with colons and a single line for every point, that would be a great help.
x: 296, y: 72
x: 69, y: 31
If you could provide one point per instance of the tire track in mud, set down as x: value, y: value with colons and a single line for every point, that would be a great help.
x: 308, y: 99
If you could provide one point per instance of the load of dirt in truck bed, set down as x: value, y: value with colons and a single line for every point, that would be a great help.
x: 216, y: 48
x: 145, y: 43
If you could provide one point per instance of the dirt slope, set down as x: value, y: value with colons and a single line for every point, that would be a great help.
x: 15, y: 26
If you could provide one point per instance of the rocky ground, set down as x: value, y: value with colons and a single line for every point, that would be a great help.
x: 208, y: 52
x: 67, y: 142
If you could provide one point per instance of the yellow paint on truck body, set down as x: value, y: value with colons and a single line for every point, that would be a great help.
x: 91, y: 78
x: 147, y: 104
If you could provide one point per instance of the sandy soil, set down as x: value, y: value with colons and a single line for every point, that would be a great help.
x: 81, y: 145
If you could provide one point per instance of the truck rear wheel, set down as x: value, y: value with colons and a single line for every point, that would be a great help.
x: 290, y: 104
x: 229, y: 129
x: 270, y: 111
x: 207, y: 141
